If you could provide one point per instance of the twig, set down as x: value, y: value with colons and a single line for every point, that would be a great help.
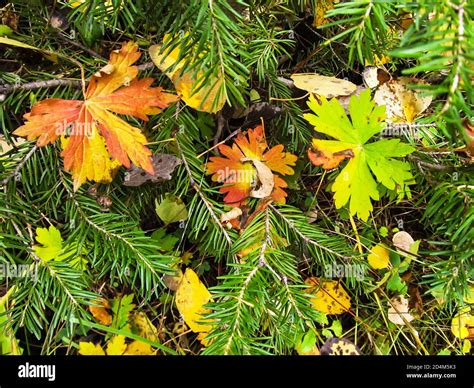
x: 82, y: 47
x: 40, y: 84
x: 236, y: 132
x: 146, y: 66
x: 20, y: 165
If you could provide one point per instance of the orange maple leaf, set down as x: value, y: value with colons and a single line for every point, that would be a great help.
x: 238, y: 171
x: 97, y: 140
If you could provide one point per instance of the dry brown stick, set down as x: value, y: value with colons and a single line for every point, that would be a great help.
x: 40, y: 84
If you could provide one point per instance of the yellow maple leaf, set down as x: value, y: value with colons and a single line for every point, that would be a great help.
x: 90, y: 349
x: 329, y: 296
x: 116, y: 346
x: 189, y: 84
x: 96, y: 137
x: 379, y: 257
x: 191, y: 296
x: 139, y: 348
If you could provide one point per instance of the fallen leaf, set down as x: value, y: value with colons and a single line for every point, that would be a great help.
x: 171, y: 209
x: 403, y: 242
x: 398, y: 311
x: 306, y: 344
x: 100, y: 312
x: 329, y: 296
x: 466, y: 346
x: 339, y: 347
x: 8, y: 343
x: 206, y: 97
x: 96, y: 137
x: 322, y: 7
x: 90, y: 349
x: 139, y: 348
x: 462, y: 325
x: 51, y: 242
x: 379, y: 257
x: 142, y: 326
x: 374, y: 76
x: 116, y: 346
x: 163, y: 166
x: 238, y: 170
x: 231, y: 214
x: 323, y: 86
x: 355, y: 184
x: 264, y: 178
x: 191, y: 296
x: 402, y: 104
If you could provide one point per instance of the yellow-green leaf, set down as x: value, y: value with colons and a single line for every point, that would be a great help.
x: 171, y: 209
x: 379, y: 257
x: 51, y: 241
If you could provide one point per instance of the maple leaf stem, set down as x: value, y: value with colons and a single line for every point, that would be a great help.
x: 354, y: 227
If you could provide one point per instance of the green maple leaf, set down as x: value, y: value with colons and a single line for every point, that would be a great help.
x: 51, y: 241
x: 370, y: 163
x: 121, y: 308
x: 52, y: 248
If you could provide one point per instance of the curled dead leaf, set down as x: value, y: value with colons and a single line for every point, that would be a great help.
x: 398, y: 311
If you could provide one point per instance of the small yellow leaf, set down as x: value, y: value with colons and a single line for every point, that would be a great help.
x: 191, y: 296
x: 90, y: 349
x: 116, y: 346
x: 139, y: 348
x: 329, y: 296
x: 189, y: 84
x: 142, y: 326
x: 379, y: 257
x: 466, y: 346
x: 462, y: 325
x: 321, y: 85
